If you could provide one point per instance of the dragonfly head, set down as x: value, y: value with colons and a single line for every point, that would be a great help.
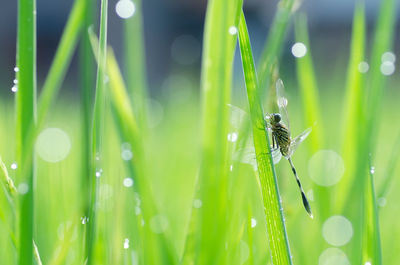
x: 274, y: 118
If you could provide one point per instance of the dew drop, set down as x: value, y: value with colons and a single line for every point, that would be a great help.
x: 128, y: 182
x: 253, y: 222
x: 14, y: 88
x: 233, y: 30
x: 98, y: 173
x: 126, y: 154
x: 14, y: 166
x: 125, y: 8
x: 299, y: 49
x: 382, y: 202
x: 232, y: 137
x: 15, y: 81
x: 368, y: 263
x: 16, y: 69
x: 126, y: 243
x: 372, y: 170
x: 84, y: 220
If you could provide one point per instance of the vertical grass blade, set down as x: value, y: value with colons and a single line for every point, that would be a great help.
x: 135, y: 65
x: 201, y: 244
x: 308, y: 86
x: 26, y: 115
x: 278, y: 241
x: 273, y: 46
x: 97, y: 131
x: 354, y: 100
x: 371, y: 251
x: 87, y: 78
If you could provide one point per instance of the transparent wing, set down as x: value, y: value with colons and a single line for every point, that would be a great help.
x: 247, y: 155
x: 239, y: 117
x: 299, y: 139
x: 282, y: 102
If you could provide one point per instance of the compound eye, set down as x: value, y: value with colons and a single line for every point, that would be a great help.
x: 277, y: 117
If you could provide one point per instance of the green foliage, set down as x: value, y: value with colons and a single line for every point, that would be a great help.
x: 181, y: 195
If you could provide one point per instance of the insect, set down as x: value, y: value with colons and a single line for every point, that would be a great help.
x: 282, y: 143
x: 281, y: 139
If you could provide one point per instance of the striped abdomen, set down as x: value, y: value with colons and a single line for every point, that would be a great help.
x: 282, y: 137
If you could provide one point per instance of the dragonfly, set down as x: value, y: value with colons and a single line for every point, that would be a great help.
x: 282, y: 142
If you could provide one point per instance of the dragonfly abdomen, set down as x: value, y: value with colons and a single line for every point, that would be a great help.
x: 281, y: 134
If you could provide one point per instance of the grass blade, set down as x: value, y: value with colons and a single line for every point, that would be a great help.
x: 222, y: 17
x: 26, y: 116
x: 273, y: 46
x: 97, y: 132
x: 371, y: 251
x: 354, y: 100
x: 278, y: 241
x: 308, y: 86
x: 135, y: 63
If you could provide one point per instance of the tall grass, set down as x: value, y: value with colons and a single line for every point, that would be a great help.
x: 26, y: 115
x: 234, y: 216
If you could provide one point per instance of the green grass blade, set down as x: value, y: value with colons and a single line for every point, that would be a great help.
x: 135, y: 65
x: 389, y: 174
x: 371, y: 251
x: 55, y: 76
x: 354, y: 100
x: 222, y: 17
x: 87, y: 77
x: 26, y: 115
x: 97, y: 132
x: 278, y: 241
x: 308, y: 86
x: 273, y: 46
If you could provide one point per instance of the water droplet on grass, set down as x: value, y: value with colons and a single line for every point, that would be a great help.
x: 126, y: 243
x: 14, y: 88
x: 16, y: 69
x: 15, y: 81
x: 125, y: 8
x: 253, y: 222
x: 233, y: 30
x: 14, y: 166
x: 84, y: 220
x: 372, y: 170
x: 382, y: 202
x: 126, y: 155
x: 368, y: 263
x: 128, y: 182
x: 299, y: 49
x: 337, y: 230
x: 232, y: 137
x: 98, y: 173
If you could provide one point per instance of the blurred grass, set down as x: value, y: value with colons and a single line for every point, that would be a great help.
x: 96, y: 141
x: 152, y: 213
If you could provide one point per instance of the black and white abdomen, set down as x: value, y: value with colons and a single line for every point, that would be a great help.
x: 282, y: 137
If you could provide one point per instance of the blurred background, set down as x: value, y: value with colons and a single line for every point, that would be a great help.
x: 173, y: 35
x: 173, y: 44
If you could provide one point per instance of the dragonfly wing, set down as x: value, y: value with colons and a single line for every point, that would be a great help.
x: 282, y: 102
x: 276, y: 156
x: 239, y: 117
x: 246, y: 155
x: 299, y: 139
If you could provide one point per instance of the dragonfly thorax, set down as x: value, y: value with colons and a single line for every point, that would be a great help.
x: 282, y: 137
